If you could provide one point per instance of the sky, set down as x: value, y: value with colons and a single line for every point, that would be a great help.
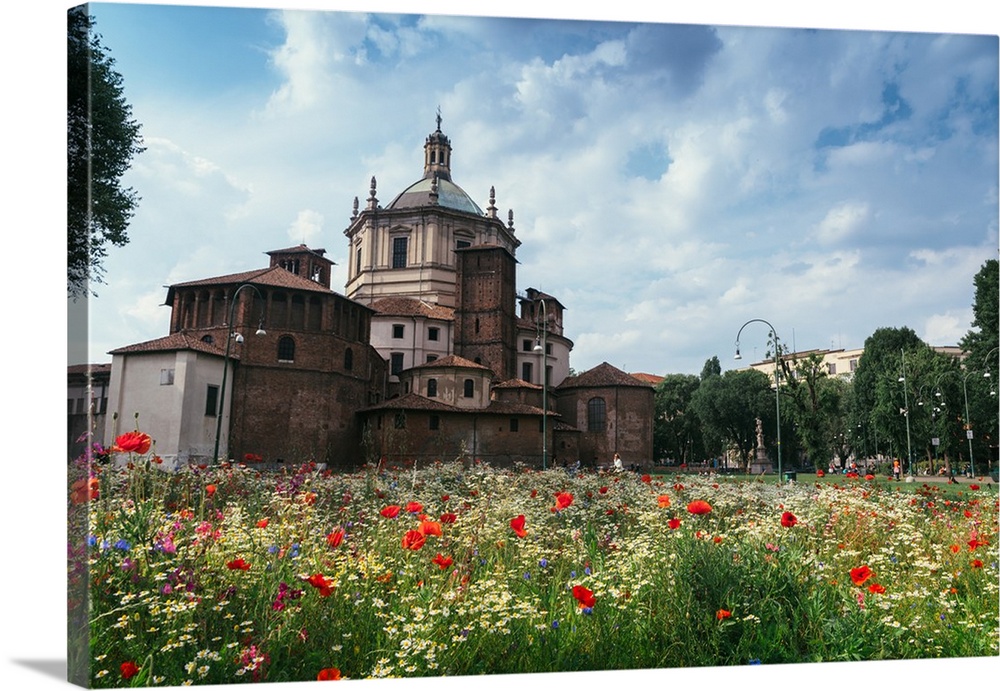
x: 669, y: 182
x: 828, y: 182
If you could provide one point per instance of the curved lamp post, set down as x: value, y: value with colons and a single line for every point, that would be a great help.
x: 230, y: 336
x: 541, y: 348
x: 777, y: 385
x: 968, y: 420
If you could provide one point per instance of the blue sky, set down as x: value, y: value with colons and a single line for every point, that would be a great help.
x: 669, y: 181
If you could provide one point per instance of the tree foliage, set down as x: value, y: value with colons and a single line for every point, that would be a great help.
x: 102, y: 138
x: 981, y: 342
x: 677, y: 430
x: 729, y: 406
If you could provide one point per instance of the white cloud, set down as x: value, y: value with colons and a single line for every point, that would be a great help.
x: 307, y: 228
x: 842, y: 223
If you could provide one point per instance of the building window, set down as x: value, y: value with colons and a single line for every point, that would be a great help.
x: 397, y: 330
x: 357, y: 261
x: 167, y: 377
x: 399, y: 253
x: 433, y: 333
x: 348, y: 359
x: 596, y: 415
x: 207, y: 338
x: 431, y: 357
x: 286, y: 349
x: 854, y: 365
x: 400, y: 420
x: 831, y: 368
x: 526, y: 371
x: 212, y: 401
x: 432, y: 388
x: 462, y: 244
x: 470, y: 388
x: 395, y: 363
x: 435, y: 422
x: 513, y: 424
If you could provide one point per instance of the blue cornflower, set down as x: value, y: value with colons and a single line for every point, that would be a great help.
x: 527, y: 576
x: 587, y: 570
x: 543, y: 562
x: 755, y: 661
x: 555, y: 624
x: 91, y: 540
x: 588, y: 610
x: 123, y: 545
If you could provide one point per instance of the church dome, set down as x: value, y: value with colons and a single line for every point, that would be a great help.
x: 449, y: 195
x: 435, y: 188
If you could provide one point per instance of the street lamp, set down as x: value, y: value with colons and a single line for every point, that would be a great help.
x: 777, y: 386
x: 541, y: 348
x: 906, y: 412
x: 968, y: 420
x: 230, y: 336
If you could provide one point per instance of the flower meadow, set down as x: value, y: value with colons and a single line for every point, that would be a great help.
x: 229, y: 574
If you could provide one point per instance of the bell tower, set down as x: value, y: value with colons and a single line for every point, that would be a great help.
x: 437, y: 154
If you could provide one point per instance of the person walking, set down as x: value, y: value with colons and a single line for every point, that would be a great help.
x: 897, y: 469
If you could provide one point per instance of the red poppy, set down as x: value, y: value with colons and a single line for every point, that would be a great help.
x: 603, y: 490
x: 663, y: 501
x: 820, y: 473
x: 328, y: 674
x: 954, y: 549
x: 678, y: 487
x: 448, y: 518
x: 133, y: 442
x: 788, y: 519
x: 646, y: 478
x: 209, y: 490
x: 262, y: 523
x: 674, y: 523
x: 334, y: 538
x: 414, y: 540
x: 584, y: 596
x: 414, y: 507
x: 973, y: 487
x: 517, y: 525
x: 976, y: 542
x: 238, y: 565
x: 442, y: 561
x: 390, y: 511
x: 129, y: 669
x: 321, y: 583
x: 445, y: 497
x: 876, y: 588
x: 723, y: 614
x: 977, y: 563
x: 85, y: 489
x: 861, y: 574
x: 430, y: 528
x: 699, y: 507
x: 309, y: 498
x: 563, y: 500
x: 534, y: 493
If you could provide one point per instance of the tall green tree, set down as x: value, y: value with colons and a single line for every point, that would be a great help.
x: 814, y: 403
x: 981, y: 342
x: 729, y: 406
x: 102, y: 139
x: 676, y: 428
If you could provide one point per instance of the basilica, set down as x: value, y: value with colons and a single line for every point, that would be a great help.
x: 430, y: 353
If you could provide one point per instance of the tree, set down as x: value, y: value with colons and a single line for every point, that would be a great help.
x: 712, y: 367
x: 981, y: 342
x: 729, y: 406
x: 102, y: 138
x: 814, y: 404
x: 676, y: 428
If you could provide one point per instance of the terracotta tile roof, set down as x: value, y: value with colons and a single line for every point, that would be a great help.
x: 451, y: 361
x: 602, y: 375
x: 412, y: 401
x: 175, y: 341
x: 514, y: 408
x: 411, y: 307
x: 516, y: 384
x: 272, y: 277
x: 299, y: 248
x: 652, y: 379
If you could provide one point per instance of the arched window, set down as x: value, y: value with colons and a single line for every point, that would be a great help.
x: 470, y: 388
x: 596, y: 415
x: 348, y: 359
x: 286, y: 349
x: 432, y: 388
